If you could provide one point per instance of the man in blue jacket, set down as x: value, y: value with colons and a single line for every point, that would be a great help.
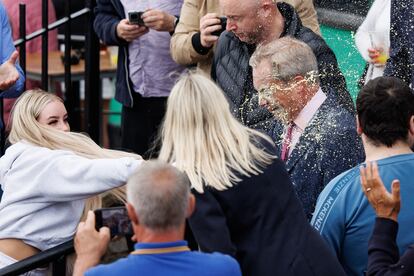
x: 318, y: 139
x: 146, y: 71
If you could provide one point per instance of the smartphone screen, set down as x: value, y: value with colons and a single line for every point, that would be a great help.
x: 134, y: 17
x: 116, y: 219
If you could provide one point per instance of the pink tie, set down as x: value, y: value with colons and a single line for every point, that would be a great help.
x: 286, y: 142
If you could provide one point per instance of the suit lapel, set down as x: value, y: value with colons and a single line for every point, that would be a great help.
x: 309, y: 138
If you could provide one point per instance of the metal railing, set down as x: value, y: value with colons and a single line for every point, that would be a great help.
x: 55, y: 256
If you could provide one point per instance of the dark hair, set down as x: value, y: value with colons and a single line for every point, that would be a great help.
x: 384, y: 107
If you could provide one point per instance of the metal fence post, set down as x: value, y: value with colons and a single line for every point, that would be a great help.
x: 22, y: 35
x: 71, y: 90
x: 93, y: 99
x: 45, y: 35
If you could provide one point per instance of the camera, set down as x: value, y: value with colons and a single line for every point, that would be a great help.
x: 134, y: 17
x: 116, y: 219
x: 223, y: 23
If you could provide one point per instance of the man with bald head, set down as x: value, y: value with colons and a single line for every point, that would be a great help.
x: 254, y: 22
x: 199, y: 29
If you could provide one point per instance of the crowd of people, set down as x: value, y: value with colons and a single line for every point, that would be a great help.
x: 259, y: 147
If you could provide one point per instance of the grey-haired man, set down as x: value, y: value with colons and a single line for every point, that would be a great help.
x: 159, y: 201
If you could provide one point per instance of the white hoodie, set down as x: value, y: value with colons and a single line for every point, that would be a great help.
x: 45, y: 191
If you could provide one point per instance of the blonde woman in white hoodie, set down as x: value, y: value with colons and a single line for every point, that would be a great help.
x: 50, y: 176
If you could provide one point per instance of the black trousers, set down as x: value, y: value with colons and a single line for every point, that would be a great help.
x: 140, y: 125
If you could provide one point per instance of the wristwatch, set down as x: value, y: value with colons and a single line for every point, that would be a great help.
x: 177, y: 19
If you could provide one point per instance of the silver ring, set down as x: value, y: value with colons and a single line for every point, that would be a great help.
x: 368, y: 189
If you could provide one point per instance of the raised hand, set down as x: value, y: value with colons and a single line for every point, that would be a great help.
x: 8, y: 72
x: 385, y: 204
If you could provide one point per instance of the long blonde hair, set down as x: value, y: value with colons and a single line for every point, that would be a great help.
x: 202, y: 137
x: 24, y: 126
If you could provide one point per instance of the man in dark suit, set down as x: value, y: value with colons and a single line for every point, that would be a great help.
x: 401, y: 61
x: 315, y: 135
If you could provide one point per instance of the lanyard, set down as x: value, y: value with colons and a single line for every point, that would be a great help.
x: 144, y: 251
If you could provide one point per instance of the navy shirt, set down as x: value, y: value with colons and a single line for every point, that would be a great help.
x: 172, y: 258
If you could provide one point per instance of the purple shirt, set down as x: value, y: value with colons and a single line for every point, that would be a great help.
x: 151, y: 68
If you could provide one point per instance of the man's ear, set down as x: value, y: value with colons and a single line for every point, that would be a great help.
x: 191, y: 205
x: 266, y: 8
x: 132, y: 214
x: 358, y: 125
x: 411, y: 126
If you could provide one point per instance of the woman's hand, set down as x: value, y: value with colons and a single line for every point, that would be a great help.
x: 385, y: 204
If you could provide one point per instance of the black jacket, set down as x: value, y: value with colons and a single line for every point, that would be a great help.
x: 260, y: 222
x: 108, y: 14
x: 328, y: 146
x: 383, y: 254
x: 233, y: 74
x: 401, y: 62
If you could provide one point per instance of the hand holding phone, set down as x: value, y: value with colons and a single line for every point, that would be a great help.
x: 116, y: 219
x: 129, y: 32
x: 211, y: 26
x: 223, y: 23
x: 135, y: 18
x: 90, y: 245
x: 159, y: 20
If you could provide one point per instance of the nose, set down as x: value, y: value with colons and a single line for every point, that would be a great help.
x: 64, y: 126
x: 230, y: 26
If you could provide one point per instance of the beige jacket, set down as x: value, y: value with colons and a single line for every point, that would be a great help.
x: 181, y: 47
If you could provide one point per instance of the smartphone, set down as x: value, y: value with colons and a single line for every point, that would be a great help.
x: 223, y: 23
x: 116, y: 219
x: 134, y: 17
